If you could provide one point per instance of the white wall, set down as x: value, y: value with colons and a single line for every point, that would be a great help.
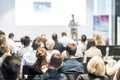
x: 7, y: 23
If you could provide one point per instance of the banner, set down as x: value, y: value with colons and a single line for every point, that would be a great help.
x: 101, y: 25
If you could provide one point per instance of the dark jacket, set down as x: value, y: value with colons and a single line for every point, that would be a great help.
x: 51, y: 74
x: 72, y: 66
x: 91, y: 77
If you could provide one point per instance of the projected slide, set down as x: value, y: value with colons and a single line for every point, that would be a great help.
x: 49, y: 12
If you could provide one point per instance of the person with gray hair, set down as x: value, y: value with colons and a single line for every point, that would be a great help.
x: 95, y: 70
x: 50, y: 45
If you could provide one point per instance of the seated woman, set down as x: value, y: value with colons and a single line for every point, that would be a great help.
x: 41, y: 62
x: 41, y: 65
x: 96, y: 70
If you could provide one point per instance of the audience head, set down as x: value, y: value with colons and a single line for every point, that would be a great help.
x: 11, y: 68
x: 37, y: 43
x: 54, y: 36
x: 96, y: 66
x: 56, y: 60
x: 26, y: 40
x: 90, y: 43
x: 83, y: 38
x: 98, y: 36
x: 2, y: 39
x: 2, y: 33
x: 50, y: 44
x: 11, y: 35
x: 63, y: 34
x: 43, y: 36
x: 71, y: 48
x: 44, y: 39
x: 41, y: 59
x: 4, y: 48
x: 99, y: 40
x: 21, y: 40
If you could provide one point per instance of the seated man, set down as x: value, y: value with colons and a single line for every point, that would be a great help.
x: 72, y: 65
x: 11, y: 68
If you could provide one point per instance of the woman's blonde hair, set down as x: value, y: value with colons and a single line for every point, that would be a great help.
x: 50, y: 44
x: 96, y: 66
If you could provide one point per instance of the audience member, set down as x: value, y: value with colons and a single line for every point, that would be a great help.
x: 92, y: 50
x: 41, y: 62
x: 52, y: 73
x: 11, y: 43
x: 112, y: 67
x: 58, y: 46
x: 44, y: 39
x: 2, y: 33
x: 11, y: 68
x: 81, y: 48
x: 64, y: 39
x: 72, y: 65
x: 29, y: 58
x: 4, y: 49
x: 99, y: 40
x: 26, y: 47
x: 64, y: 52
x: 96, y: 70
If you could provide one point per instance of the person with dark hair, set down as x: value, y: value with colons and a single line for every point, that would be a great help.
x: 29, y: 58
x: 22, y: 40
x: 11, y: 68
x: 52, y: 72
x: 40, y: 66
x: 2, y: 33
x: 92, y: 50
x: 83, y: 38
x: 58, y: 46
x: 26, y: 47
x: 11, y: 35
x: 44, y: 39
x: 71, y: 64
